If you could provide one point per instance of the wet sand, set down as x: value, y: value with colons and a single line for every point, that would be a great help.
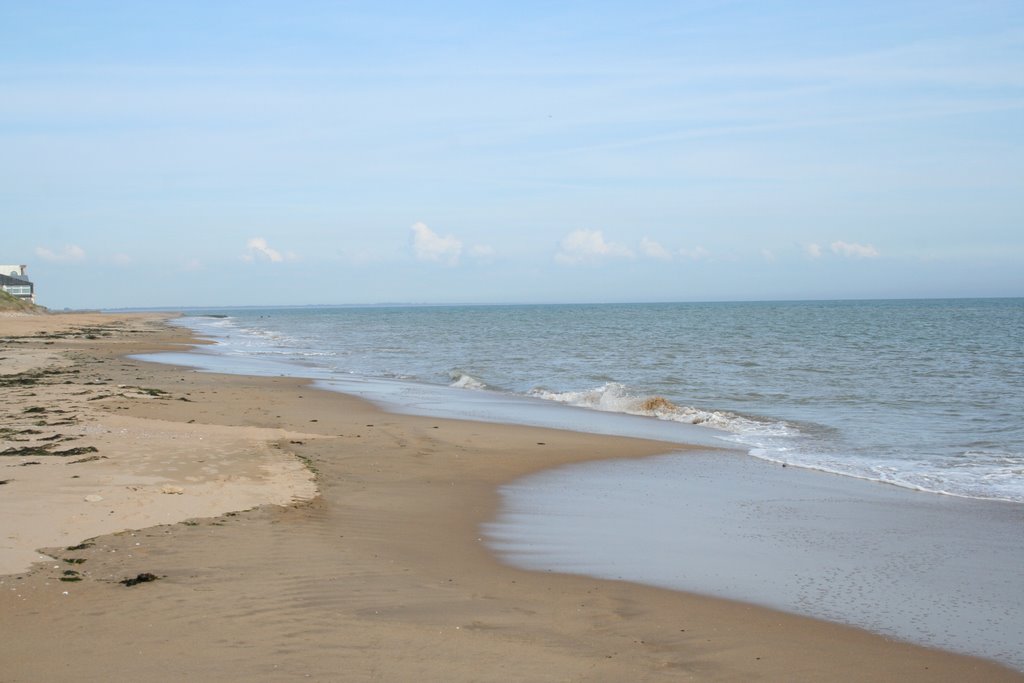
x: 380, y: 575
x: 936, y: 570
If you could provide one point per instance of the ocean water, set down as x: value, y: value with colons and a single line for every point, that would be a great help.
x: 923, y: 394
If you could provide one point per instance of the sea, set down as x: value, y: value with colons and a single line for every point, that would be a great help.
x: 923, y: 394
x: 860, y: 461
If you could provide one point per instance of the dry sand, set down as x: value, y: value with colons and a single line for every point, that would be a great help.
x: 381, y: 576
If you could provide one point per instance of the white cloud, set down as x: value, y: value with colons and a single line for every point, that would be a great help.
x: 69, y: 254
x: 768, y: 255
x: 429, y: 246
x: 122, y: 259
x: 257, y: 247
x: 813, y: 250
x: 652, y: 249
x: 582, y: 246
x: 854, y: 250
x: 698, y: 253
x: 192, y: 264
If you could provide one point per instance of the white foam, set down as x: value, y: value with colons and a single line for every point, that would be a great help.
x: 982, y: 480
x: 614, y: 397
x: 463, y: 380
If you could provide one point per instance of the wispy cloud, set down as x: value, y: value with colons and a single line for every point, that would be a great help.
x: 654, y: 250
x: 71, y: 253
x: 429, y: 246
x: 854, y: 250
x: 841, y: 248
x: 588, y: 246
x: 257, y: 248
x: 697, y: 253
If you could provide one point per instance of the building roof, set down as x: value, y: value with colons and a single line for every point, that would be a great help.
x: 8, y: 280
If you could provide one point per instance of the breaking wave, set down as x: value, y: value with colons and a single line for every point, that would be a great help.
x: 463, y: 380
x: 614, y: 397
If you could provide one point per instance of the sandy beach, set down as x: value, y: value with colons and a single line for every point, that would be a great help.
x: 299, y: 534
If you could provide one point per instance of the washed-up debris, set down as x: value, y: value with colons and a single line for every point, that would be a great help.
x: 6, y: 433
x: 26, y: 450
x: 45, y: 450
x: 89, y: 459
x: 81, y: 546
x: 145, y: 577
x: 80, y: 450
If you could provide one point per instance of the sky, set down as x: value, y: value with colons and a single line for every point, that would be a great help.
x: 268, y: 153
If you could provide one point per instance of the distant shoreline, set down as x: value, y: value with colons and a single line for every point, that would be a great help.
x: 186, y: 309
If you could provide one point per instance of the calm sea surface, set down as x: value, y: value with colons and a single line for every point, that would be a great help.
x: 926, y: 394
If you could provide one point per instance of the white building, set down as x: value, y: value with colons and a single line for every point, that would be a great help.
x: 14, y: 280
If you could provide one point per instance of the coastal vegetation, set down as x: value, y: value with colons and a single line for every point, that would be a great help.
x: 13, y: 303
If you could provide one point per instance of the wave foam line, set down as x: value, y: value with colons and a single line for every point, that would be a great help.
x: 463, y: 380
x: 616, y: 398
x: 1001, y: 485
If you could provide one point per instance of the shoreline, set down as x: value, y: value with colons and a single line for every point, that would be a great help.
x: 382, y: 575
x: 939, y: 571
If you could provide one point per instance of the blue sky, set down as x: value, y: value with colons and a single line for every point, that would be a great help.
x: 222, y: 153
